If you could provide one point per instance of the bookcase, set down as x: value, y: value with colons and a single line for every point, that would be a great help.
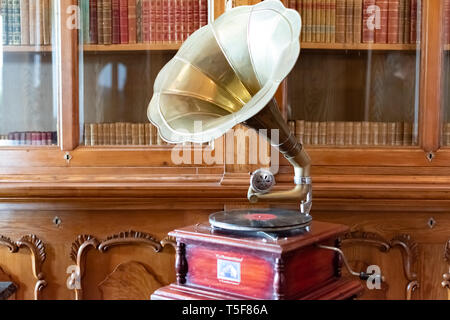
x: 368, y: 97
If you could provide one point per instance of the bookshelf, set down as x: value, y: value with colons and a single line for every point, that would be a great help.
x: 27, y: 48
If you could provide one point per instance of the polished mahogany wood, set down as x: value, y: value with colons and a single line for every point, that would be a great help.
x: 284, y: 268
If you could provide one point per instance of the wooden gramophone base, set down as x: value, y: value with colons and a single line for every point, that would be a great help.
x: 340, y: 289
x: 211, y: 264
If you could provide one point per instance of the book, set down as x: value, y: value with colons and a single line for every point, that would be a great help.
x: 196, y: 15
x: 190, y: 18
x: 381, y: 30
x: 383, y: 136
x: 368, y: 23
x: 107, y: 21
x: 93, y: 23
x: 165, y: 20
x: 139, y: 38
x: 365, y: 133
x: 299, y: 130
x: 393, y: 21
x: 322, y: 20
x: 85, y: 20
x: 159, y: 27
x: 374, y: 133
x: 349, y: 6
x: 415, y: 21
x: 315, y: 133
x: 172, y: 27
x: 309, y: 19
x: 407, y: 34
x: 399, y: 133
x: 141, y: 134
x: 391, y: 128
x: 357, y: 129
x: 14, y: 22
x: 357, y: 21
x: 106, y: 134
x: 115, y: 21
x: 146, y: 7
x: 46, y: 22
x: 24, y: 22
x: 401, y: 20
x: 322, y: 133
x: 101, y: 38
x: 348, y: 133
x: 340, y: 133
x: 132, y: 21
x: 407, y: 134
x: 123, y: 20
x: 340, y: 21
x: 178, y: 22
x: 332, y: 21
x: 307, y: 134
x: 331, y: 133
x: 203, y: 12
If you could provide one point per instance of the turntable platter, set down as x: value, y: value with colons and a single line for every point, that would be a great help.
x: 267, y: 220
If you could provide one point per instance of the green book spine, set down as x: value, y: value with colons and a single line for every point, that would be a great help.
x: 10, y: 21
x: 16, y: 23
x: 85, y: 20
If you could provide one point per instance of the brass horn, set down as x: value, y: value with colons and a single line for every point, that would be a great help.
x: 227, y: 73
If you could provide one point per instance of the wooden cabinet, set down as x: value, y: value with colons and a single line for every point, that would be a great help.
x: 80, y: 196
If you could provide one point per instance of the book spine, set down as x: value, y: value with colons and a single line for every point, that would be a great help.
x: 119, y: 136
x: 382, y: 30
x: 292, y: 4
x: 357, y: 21
x: 382, y: 133
x: 357, y: 130
x: 4, y: 13
x: 196, y: 14
x: 393, y: 22
x: 40, y: 23
x: 46, y: 22
x: 314, y: 133
x: 446, y: 141
x: 139, y: 29
x: 132, y: 25
x: 374, y: 129
x: 414, y: 21
x: 93, y: 23
x: 134, y: 134
x: 128, y: 134
x: 365, y: 133
x: 340, y: 133
x: 340, y: 21
x: 101, y: 38
x: 327, y: 21
x: 178, y: 22
x: 391, y: 134
x: 154, y: 135
x: 316, y: 22
x: 331, y: 133
x: 172, y: 27
x: 115, y: 21
x: 147, y: 23
x: 349, y: 21
x: 124, y: 28
x: 348, y: 133
x: 165, y: 21
x: 300, y: 130
x: 152, y: 13
x: 401, y: 20
x: 323, y: 21
x: 147, y: 134
x: 184, y: 17
x: 94, y: 134
x: 112, y: 134
x: 322, y: 133
x: 369, y: 21
x: 308, y: 18
x: 332, y: 21
x: 87, y: 134
x: 141, y: 134
x: 24, y: 22
x: 107, y: 21
x: 203, y: 12
x: 15, y: 12
x: 159, y: 21
x: 407, y: 17
x: 190, y: 17
x: 106, y: 134
x: 399, y: 133
x: 85, y: 20
x: 308, y: 132
x: 407, y: 134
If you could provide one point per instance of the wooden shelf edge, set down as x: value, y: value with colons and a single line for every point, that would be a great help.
x: 131, y: 47
x: 45, y: 48
x: 359, y: 46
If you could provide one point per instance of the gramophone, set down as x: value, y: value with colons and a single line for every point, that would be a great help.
x: 225, y: 74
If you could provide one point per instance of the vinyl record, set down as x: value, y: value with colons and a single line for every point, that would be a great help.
x: 268, y: 220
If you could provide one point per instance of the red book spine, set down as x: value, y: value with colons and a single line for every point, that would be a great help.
x: 369, y: 21
x: 132, y: 20
x: 196, y: 14
x: 414, y: 13
x: 172, y: 27
x: 159, y: 21
x: 93, y: 23
x: 124, y: 21
x: 393, y: 23
x: 381, y: 29
x: 48, y: 136
x: 165, y: 21
x: 447, y: 21
x: 146, y: 21
x: 115, y: 11
x: 184, y: 13
x: 178, y: 22
x: 190, y: 17
x: 203, y: 12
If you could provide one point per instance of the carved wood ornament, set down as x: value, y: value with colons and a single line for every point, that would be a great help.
x: 446, y: 276
x: 38, y: 255
x: 403, y: 241
x: 85, y: 242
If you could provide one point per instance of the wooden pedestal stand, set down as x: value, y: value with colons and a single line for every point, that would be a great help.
x: 213, y: 265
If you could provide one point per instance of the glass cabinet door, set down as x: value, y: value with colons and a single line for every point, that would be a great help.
x: 125, y: 43
x: 28, y: 100
x: 445, y: 136
x: 356, y: 81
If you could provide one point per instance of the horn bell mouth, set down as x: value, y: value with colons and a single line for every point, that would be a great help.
x: 225, y: 72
